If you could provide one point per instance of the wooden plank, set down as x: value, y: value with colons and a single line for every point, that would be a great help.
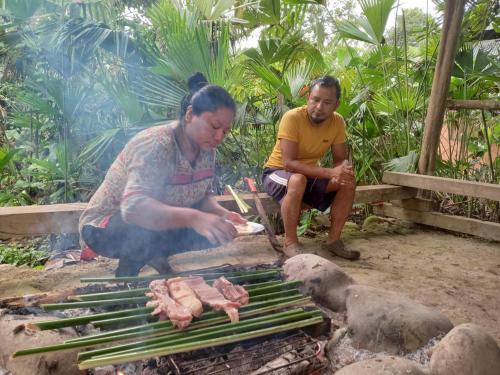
x: 491, y: 105
x: 63, y: 218
x: 417, y: 204
x: 446, y: 185
x: 479, y: 228
x: 382, y: 193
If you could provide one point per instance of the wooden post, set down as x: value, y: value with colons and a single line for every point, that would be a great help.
x: 453, y: 15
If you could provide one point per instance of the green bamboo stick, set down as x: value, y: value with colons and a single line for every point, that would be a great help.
x: 259, y: 298
x: 111, y: 360
x: 207, y: 315
x: 249, y: 287
x: 266, y: 272
x: 152, y: 329
x: 108, y: 302
x: 95, y: 341
x: 109, y: 295
x: 76, y: 321
x: 271, y: 296
x: 133, y: 300
x: 228, y: 328
x: 145, y: 334
x: 140, y: 291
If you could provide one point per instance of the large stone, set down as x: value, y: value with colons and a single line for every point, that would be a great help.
x: 466, y: 350
x: 385, y: 321
x: 13, y: 338
x: 384, y: 365
x: 324, y: 280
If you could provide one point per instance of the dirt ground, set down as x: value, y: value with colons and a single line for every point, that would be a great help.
x: 458, y: 276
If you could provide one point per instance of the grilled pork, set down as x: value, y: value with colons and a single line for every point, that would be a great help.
x: 166, y: 307
x: 182, y: 293
x: 235, y: 293
x: 212, y: 297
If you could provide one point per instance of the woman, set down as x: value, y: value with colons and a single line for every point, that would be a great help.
x: 156, y: 198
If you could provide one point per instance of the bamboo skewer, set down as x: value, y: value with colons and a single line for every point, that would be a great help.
x: 231, y: 276
x: 106, y: 302
x: 203, y: 333
x: 130, y: 315
x: 254, y: 290
x: 70, y: 322
x: 254, y: 297
x: 166, y: 330
x: 207, y: 315
x: 110, y: 360
x: 268, y: 312
x: 163, y: 325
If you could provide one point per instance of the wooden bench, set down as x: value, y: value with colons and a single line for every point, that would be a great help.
x: 63, y: 218
x: 420, y: 211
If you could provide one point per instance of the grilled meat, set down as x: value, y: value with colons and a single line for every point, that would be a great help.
x: 182, y: 293
x: 212, y: 297
x: 165, y: 306
x: 235, y: 293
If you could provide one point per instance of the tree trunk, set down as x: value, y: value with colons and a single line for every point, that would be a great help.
x: 453, y: 15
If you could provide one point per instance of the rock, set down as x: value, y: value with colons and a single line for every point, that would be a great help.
x: 324, y: 280
x: 55, y: 363
x: 466, y: 350
x: 384, y: 321
x: 384, y: 225
x: 383, y: 365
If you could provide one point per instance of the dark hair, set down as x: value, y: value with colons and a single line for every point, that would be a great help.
x: 327, y: 81
x: 203, y: 97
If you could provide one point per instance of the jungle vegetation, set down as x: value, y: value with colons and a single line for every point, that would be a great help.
x: 79, y: 78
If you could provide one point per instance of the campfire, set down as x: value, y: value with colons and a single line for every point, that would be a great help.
x: 251, y: 322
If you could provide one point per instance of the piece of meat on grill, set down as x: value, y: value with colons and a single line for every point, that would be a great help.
x: 212, y: 297
x: 182, y: 293
x: 165, y: 306
x: 235, y: 293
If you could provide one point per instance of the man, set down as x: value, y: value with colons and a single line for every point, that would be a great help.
x: 292, y: 174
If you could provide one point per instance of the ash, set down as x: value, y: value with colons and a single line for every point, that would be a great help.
x: 344, y: 353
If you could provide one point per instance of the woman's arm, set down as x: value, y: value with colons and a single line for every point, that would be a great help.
x: 152, y: 214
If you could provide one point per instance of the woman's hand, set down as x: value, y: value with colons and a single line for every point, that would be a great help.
x: 235, y: 218
x: 217, y: 229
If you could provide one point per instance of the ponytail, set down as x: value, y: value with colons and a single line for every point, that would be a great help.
x: 203, y: 97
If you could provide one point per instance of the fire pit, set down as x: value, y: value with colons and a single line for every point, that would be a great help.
x: 277, y: 331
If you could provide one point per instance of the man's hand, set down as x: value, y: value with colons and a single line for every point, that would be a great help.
x: 217, y: 229
x: 343, y: 175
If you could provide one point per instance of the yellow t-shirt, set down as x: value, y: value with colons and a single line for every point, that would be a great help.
x: 313, y: 140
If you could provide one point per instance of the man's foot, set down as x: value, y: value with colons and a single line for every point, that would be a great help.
x: 338, y: 248
x: 293, y: 249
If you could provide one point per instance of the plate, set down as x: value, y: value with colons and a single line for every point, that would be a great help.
x: 249, y: 228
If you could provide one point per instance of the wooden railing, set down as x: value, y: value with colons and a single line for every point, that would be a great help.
x: 63, y: 218
x: 421, y: 211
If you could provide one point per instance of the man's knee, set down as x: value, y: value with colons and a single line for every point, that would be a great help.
x: 297, y: 183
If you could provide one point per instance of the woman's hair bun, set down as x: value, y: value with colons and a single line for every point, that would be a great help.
x: 196, y: 82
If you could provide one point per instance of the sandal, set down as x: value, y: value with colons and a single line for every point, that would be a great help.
x: 338, y: 248
x: 293, y: 249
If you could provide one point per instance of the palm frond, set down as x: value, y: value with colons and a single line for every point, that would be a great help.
x: 405, y: 164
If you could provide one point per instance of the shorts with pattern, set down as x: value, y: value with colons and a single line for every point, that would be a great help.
x: 275, y: 182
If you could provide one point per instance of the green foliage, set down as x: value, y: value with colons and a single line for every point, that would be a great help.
x: 80, y: 78
x: 19, y: 255
x: 306, y: 220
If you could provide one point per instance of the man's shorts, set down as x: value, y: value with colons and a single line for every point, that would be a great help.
x: 275, y: 182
